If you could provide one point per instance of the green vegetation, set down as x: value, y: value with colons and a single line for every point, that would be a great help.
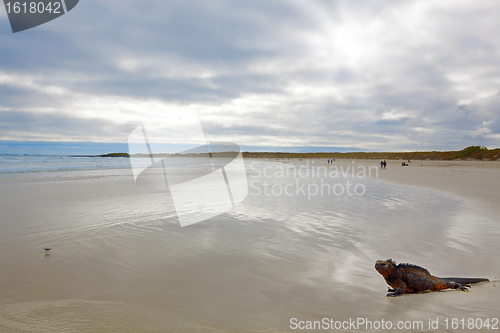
x: 469, y: 153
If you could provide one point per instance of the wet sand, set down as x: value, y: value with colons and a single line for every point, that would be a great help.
x: 121, y: 262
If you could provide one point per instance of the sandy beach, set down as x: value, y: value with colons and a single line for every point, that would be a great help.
x: 121, y: 262
x: 478, y: 181
x: 475, y: 180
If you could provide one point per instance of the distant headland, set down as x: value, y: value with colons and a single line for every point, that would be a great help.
x: 104, y: 155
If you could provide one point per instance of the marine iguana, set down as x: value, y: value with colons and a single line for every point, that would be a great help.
x: 407, y: 278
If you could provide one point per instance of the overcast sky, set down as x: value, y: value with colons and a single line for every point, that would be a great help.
x: 369, y: 75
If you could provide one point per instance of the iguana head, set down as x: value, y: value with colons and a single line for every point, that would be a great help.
x: 385, y: 267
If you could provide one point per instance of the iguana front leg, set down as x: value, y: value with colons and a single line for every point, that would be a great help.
x: 400, y: 288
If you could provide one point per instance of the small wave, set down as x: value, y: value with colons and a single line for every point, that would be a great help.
x: 40, y: 163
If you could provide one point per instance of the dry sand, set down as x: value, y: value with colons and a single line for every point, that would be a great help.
x: 474, y: 180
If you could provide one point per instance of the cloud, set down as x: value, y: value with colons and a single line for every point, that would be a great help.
x: 33, y: 126
x: 388, y: 75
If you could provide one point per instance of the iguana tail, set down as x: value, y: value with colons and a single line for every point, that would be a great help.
x: 464, y: 280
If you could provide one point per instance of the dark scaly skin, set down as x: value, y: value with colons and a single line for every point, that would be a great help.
x: 407, y: 278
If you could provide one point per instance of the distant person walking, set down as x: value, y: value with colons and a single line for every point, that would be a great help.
x: 385, y: 164
x: 381, y: 164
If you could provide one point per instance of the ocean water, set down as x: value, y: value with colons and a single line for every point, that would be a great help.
x: 41, y: 163
x: 120, y: 262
